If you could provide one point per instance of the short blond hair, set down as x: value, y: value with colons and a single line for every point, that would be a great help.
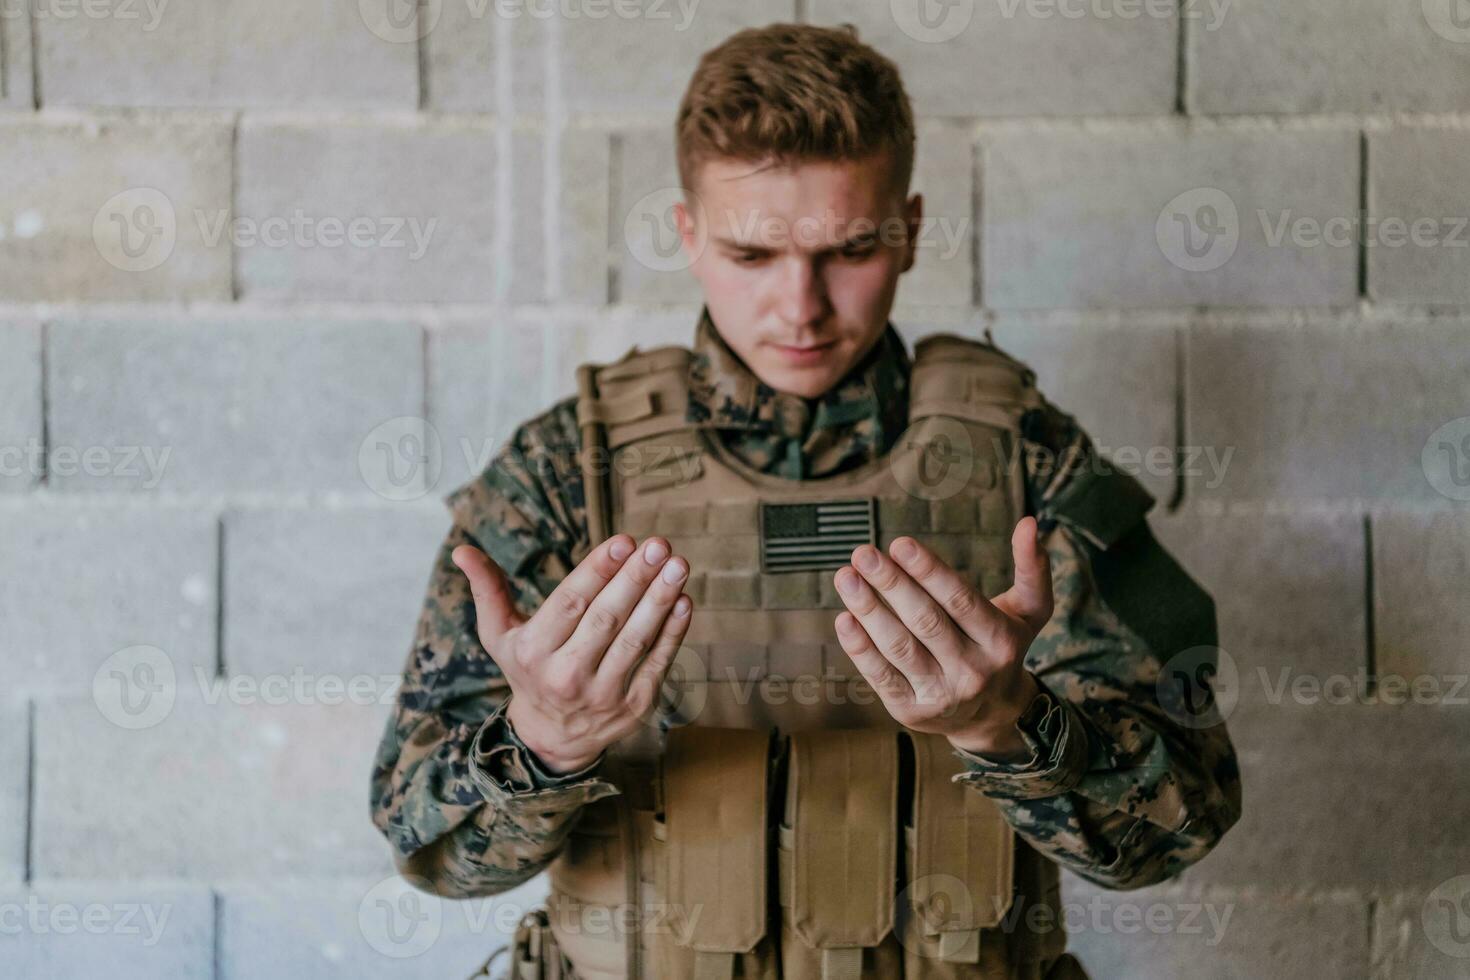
x: 795, y: 93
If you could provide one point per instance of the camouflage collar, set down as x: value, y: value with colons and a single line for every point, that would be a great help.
x: 725, y: 394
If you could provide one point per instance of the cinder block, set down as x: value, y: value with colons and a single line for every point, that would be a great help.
x: 1341, y: 794
x: 355, y: 211
x: 82, y: 583
x: 464, y: 383
x: 1328, y: 56
x: 14, y: 793
x: 1023, y: 57
x: 1419, y: 239
x: 376, y: 562
x: 1418, y: 936
x: 365, y: 929
x: 1289, y: 595
x: 1163, y: 933
x: 113, y: 209
x: 653, y: 265
x: 21, y: 458
x: 217, y: 53
x: 1328, y: 412
x: 944, y: 266
x: 233, y: 780
x: 107, y: 929
x: 461, y: 55
x: 1167, y: 218
x: 1421, y: 619
x: 15, y: 59
x: 572, y: 265
x: 638, y: 55
x: 1121, y: 384
x: 238, y: 405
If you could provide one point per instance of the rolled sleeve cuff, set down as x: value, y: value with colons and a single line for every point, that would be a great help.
x: 1053, y: 732
x: 509, y: 774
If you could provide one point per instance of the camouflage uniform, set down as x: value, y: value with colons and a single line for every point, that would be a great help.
x: 1115, y: 788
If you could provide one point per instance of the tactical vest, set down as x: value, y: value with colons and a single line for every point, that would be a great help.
x: 773, y: 820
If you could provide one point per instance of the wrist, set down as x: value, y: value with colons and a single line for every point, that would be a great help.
x: 551, y: 753
x: 994, y: 733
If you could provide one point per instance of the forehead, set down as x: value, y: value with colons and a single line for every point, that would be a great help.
x: 746, y: 200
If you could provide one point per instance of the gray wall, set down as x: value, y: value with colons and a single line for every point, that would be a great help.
x: 252, y: 255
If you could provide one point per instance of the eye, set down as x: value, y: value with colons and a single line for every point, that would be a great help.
x: 858, y: 251
x: 747, y: 258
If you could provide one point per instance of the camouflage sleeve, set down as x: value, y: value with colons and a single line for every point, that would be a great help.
x: 465, y: 805
x: 1122, y: 785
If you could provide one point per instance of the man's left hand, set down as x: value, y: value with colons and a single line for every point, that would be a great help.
x: 943, y: 658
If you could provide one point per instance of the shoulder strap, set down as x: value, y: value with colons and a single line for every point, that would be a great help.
x: 642, y: 393
x: 970, y: 379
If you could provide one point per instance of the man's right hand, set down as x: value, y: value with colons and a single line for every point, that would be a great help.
x: 588, y: 666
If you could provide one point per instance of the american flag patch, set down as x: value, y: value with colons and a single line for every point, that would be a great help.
x: 820, y: 534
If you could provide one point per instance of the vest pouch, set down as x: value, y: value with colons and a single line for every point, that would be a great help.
x: 838, y: 856
x: 960, y: 857
x: 710, y: 856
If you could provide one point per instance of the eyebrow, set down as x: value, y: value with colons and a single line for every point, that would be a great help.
x: 855, y: 241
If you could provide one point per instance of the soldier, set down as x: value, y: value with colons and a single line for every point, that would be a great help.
x: 972, y: 599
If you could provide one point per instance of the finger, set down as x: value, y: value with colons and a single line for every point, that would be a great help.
x: 612, y: 606
x: 967, y: 607
x: 1029, y: 598
x: 642, y: 628
x: 647, y: 678
x: 919, y: 612
x: 563, y: 610
x: 887, y: 632
x: 891, y: 685
x: 495, y: 613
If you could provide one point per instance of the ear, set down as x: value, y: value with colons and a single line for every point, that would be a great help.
x: 914, y: 218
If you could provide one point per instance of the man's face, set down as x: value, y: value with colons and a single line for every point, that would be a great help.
x: 799, y: 265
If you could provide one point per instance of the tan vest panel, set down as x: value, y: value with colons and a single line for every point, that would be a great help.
x: 693, y: 856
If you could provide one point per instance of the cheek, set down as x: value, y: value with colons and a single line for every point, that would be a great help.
x: 864, y: 286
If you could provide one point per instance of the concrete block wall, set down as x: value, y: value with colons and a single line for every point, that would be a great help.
x: 276, y: 277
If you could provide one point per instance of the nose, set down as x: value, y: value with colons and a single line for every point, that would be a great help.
x: 803, y: 293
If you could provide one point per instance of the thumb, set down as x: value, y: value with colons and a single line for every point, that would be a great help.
x: 493, y: 606
x: 1029, y: 599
